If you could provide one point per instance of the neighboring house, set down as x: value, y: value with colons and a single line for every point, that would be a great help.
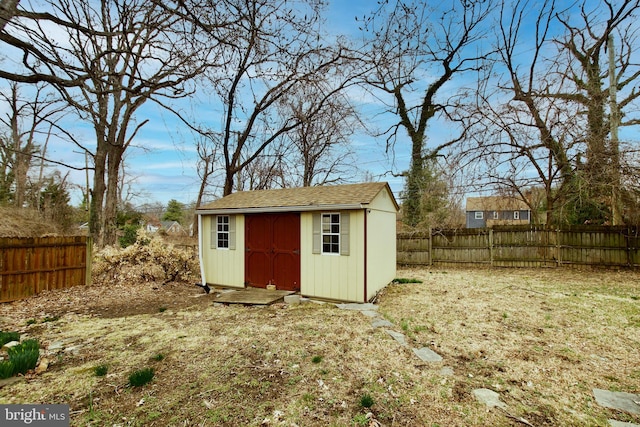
x: 173, y: 228
x: 332, y: 242
x: 496, y: 210
x: 169, y: 227
x: 152, y: 227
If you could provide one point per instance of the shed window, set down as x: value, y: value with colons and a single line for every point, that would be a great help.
x: 222, y: 234
x: 479, y: 215
x: 516, y: 214
x: 223, y: 230
x: 331, y: 233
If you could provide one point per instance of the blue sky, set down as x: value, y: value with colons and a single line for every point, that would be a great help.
x: 161, y: 164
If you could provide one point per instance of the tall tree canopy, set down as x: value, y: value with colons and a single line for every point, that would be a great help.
x: 106, y: 59
x: 542, y: 119
x: 415, y: 49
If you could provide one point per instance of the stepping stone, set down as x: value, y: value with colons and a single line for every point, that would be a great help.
x: 446, y: 371
x: 489, y: 398
x: 358, y: 307
x: 427, y: 355
x: 397, y: 336
x: 9, y: 345
x: 56, y: 345
x: 626, y: 402
x: 615, y: 423
x: 292, y: 299
x: 370, y: 313
x: 382, y: 323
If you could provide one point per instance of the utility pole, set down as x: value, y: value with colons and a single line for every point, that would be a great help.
x: 614, y: 122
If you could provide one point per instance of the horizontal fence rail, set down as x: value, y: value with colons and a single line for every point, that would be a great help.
x: 29, y: 266
x: 522, y: 246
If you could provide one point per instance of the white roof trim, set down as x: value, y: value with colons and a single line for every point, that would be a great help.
x: 269, y: 209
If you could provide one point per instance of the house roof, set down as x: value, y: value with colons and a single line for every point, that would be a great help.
x: 495, y: 203
x: 349, y: 196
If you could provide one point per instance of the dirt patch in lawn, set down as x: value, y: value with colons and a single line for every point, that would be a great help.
x: 542, y: 339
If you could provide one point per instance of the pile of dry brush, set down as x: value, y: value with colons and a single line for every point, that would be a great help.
x: 148, y: 260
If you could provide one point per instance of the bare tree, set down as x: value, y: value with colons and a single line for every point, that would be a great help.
x: 272, y: 51
x: 514, y: 131
x: 107, y: 59
x: 7, y: 10
x: 268, y: 170
x: 586, y: 73
x: 416, y: 48
x: 28, y: 119
x: 547, y: 111
x: 319, y: 150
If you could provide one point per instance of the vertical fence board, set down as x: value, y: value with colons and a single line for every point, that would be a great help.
x: 32, y: 265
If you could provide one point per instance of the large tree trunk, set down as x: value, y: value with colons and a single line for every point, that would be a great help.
x: 110, y: 227
x: 228, y: 183
x: 22, y: 154
x: 97, y: 196
x: 7, y: 10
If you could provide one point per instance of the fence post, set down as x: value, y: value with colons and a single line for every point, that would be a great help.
x: 627, y: 234
x: 430, y: 246
x: 491, y: 247
x: 88, y: 261
x: 558, y: 248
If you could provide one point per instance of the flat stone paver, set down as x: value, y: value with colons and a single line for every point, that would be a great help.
x: 381, y: 323
x: 397, y: 336
x: 358, y: 306
x: 615, y: 423
x: 253, y: 296
x: 292, y: 299
x: 9, y: 345
x: 427, y: 355
x: 446, y: 371
x: 489, y: 398
x: 621, y: 401
x: 370, y: 313
x: 56, y: 345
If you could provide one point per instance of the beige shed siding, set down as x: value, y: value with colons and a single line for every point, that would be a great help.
x: 339, y: 277
x: 381, y: 243
x: 223, y: 267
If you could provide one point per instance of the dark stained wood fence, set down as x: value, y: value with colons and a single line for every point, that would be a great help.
x: 523, y: 246
x: 29, y: 266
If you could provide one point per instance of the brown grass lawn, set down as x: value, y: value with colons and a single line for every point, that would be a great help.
x: 542, y: 339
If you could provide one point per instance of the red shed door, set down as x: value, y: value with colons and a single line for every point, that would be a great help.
x: 272, y: 255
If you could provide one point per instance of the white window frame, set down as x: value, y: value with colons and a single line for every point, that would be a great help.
x: 496, y: 215
x: 222, y: 229
x: 516, y: 214
x: 329, y: 232
x: 479, y: 215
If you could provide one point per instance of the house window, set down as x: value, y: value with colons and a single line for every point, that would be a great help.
x: 330, y: 233
x: 496, y: 215
x: 479, y: 215
x: 516, y: 214
x: 222, y: 231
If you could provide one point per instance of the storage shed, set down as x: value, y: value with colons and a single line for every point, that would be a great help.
x: 330, y: 242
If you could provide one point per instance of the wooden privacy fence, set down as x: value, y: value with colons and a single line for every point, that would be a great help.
x: 523, y: 246
x: 29, y: 266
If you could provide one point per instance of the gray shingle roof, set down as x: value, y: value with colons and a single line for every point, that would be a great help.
x: 304, y: 197
x: 495, y: 203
